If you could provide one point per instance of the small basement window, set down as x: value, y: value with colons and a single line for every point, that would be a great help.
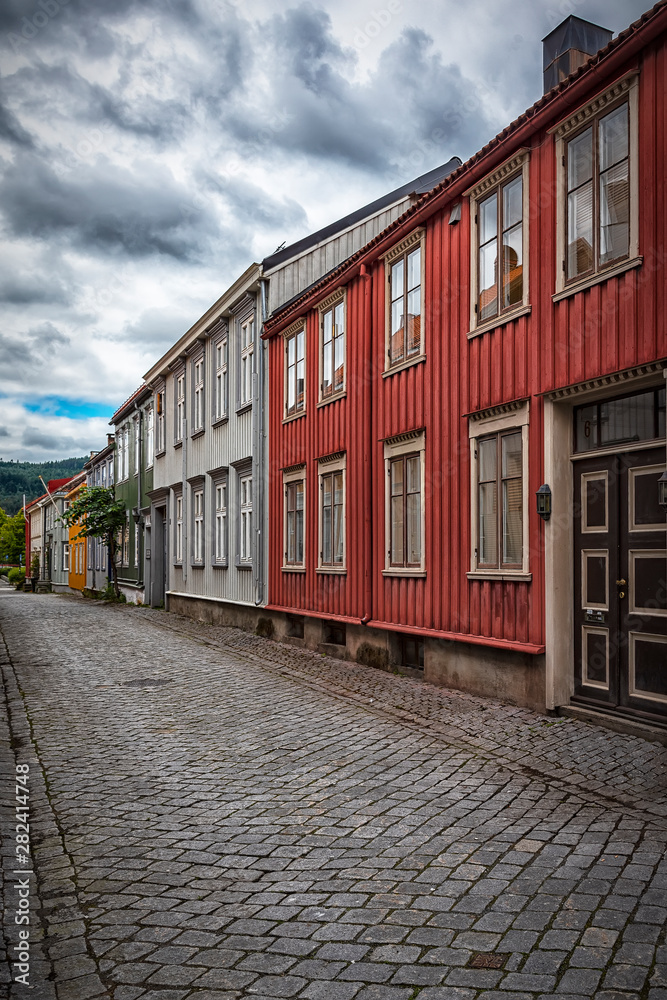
x: 412, y: 652
x: 295, y: 626
x: 334, y: 633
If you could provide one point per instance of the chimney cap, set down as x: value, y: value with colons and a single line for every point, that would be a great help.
x: 569, y: 45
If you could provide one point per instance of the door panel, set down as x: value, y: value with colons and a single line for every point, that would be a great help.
x: 620, y: 595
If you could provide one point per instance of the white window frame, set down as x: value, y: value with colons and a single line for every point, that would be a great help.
x: 499, y: 420
x: 221, y: 350
x: 336, y: 301
x: 160, y: 440
x: 517, y: 166
x: 150, y: 435
x: 136, y: 443
x: 625, y: 89
x: 198, y: 534
x: 179, y: 397
x: 136, y: 545
x: 178, y: 529
x: 402, y: 251
x: 329, y: 466
x: 295, y: 474
x: 198, y: 368
x: 245, y: 489
x: 289, y: 335
x: 221, y: 523
x: 125, y: 559
x: 410, y: 443
x: 246, y: 359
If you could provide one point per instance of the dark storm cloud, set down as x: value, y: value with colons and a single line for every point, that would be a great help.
x: 33, y: 437
x: 23, y: 289
x: 4, y: 433
x: 21, y: 355
x: 12, y: 130
x: 139, y: 211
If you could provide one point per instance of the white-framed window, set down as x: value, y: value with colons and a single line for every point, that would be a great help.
x: 137, y: 439
x: 136, y: 546
x: 122, y: 453
x: 332, y: 525
x: 198, y: 394
x: 295, y: 369
x: 598, y: 193
x: 111, y: 480
x: 150, y: 435
x: 221, y: 378
x: 90, y: 554
x: 405, y: 519
x: 404, y: 269
x: 125, y: 560
x: 499, y: 493
x: 221, y: 550
x: 246, y: 361
x: 160, y: 425
x: 499, y: 214
x: 294, y: 510
x: 180, y: 405
x: 245, y: 519
x: 178, y: 528
x: 332, y: 346
x: 198, y: 525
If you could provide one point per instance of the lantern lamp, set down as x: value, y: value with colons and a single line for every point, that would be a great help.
x: 662, y: 490
x: 543, y: 496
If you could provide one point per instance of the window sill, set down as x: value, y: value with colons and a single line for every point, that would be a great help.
x: 219, y: 565
x: 244, y: 565
x: 501, y: 577
x: 294, y: 416
x: 293, y: 569
x: 198, y: 433
x: 332, y: 398
x: 399, y: 571
x: 493, y: 324
x: 332, y: 570
x: 597, y: 279
x: 402, y: 365
x: 219, y: 421
x: 244, y: 408
x: 178, y: 444
x: 197, y: 565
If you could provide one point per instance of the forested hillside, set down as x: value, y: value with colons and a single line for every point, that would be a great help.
x: 17, y: 478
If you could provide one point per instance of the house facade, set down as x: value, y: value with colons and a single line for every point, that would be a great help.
x: 34, y: 541
x: 133, y: 457
x: 78, y: 543
x: 464, y: 479
x: 209, y: 512
x: 56, y: 532
x: 99, y: 472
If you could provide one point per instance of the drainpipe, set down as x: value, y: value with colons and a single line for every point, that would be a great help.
x: 184, y: 493
x: 368, y: 467
x: 259, y: 445
x: 140, y: 567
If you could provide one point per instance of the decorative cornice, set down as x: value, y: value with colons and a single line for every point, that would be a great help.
x: 415, y: 237
x: 299, y: 467
x: 499, y: 410
x: 616, y: 378
x: 333, y: 299
x: 602, y: 101
x: 219, y: 327
x: 511, y: 166
x: 328, y: 459
x: 405, y: 436
x: 298, y: 324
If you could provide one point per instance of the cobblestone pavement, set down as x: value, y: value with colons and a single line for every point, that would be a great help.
x: 214, y: 815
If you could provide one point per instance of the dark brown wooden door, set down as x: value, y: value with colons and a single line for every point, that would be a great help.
x: 620, y: 575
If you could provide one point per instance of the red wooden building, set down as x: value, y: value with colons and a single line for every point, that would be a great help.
x: 506, y: 333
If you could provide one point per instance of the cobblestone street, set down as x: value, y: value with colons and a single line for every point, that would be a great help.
x: 214, y: 815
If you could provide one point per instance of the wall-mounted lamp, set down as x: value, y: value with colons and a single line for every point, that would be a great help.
x: 662, y: 490
x: 136, y: 515
x: 544, y: 502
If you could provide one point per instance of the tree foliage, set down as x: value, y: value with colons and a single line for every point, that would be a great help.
x: 97, y: 514
x: 17, y: 478
x: 12, y: 537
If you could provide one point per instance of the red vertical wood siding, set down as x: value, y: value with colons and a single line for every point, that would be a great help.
x: 611, y: 326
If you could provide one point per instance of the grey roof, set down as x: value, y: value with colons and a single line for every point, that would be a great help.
x: 418, y: 186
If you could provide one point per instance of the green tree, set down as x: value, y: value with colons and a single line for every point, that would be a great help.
x: 12, y: 537
x: 98, y: 515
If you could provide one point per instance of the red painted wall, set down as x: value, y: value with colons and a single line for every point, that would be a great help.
x: 615, y: 325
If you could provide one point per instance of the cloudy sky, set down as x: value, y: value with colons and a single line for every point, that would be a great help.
x: 151, y: 149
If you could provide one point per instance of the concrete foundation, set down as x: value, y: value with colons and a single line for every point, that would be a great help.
x: 515, y: 678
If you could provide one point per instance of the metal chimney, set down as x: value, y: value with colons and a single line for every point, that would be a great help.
x: 569, y: 46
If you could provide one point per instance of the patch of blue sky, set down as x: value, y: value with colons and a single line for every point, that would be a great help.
x: 57, y: 406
